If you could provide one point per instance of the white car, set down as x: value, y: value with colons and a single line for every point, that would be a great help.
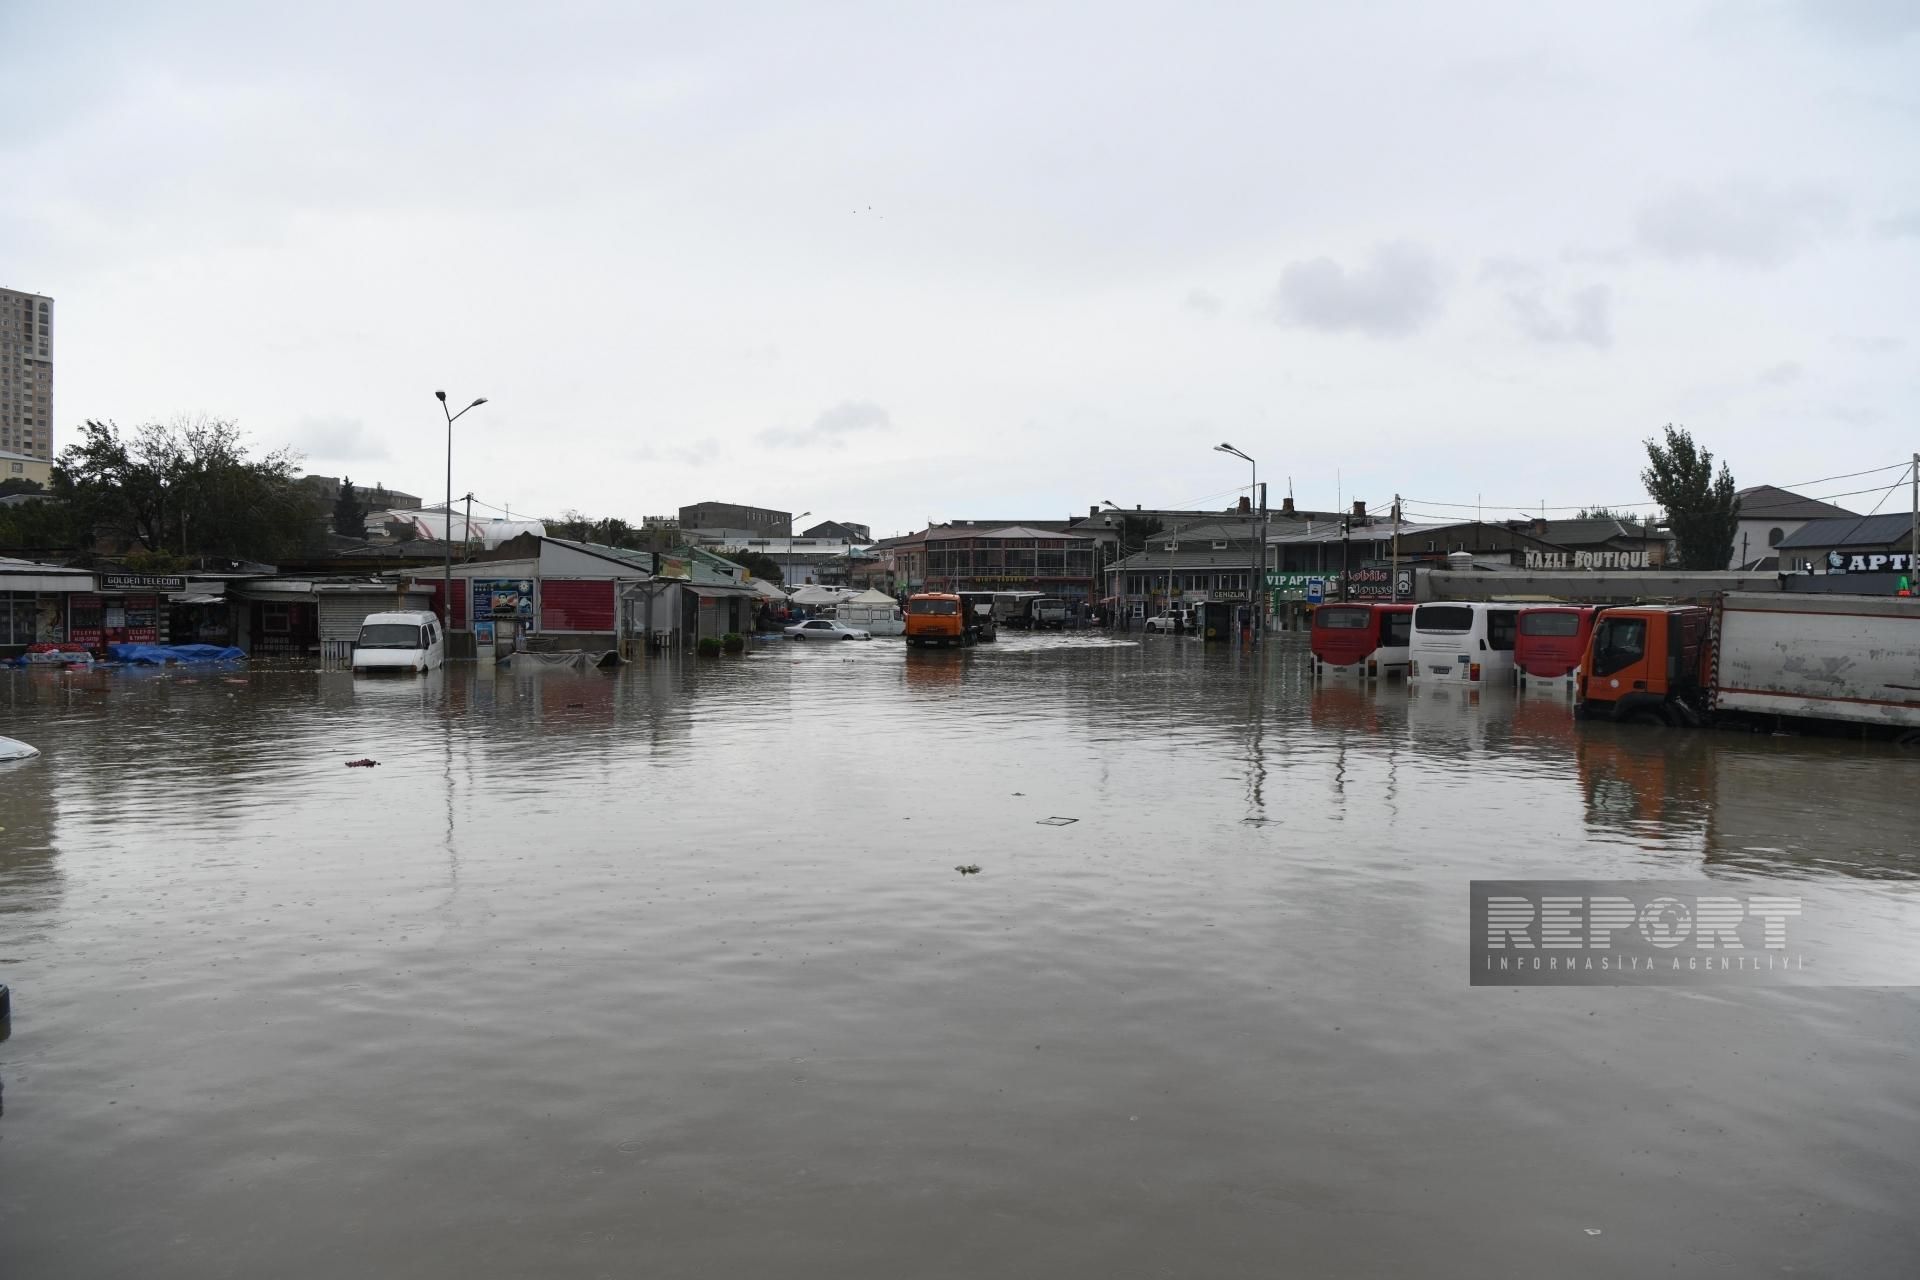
x: 1171, y: 620
x: 826, y: 629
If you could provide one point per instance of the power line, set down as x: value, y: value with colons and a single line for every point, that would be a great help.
x: 1585, y: 506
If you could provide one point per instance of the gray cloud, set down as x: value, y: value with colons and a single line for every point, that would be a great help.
x: 1784, y: 373
x: 1204, y: 302
x: 1870, y: 21
x: 1585, y: 317
x: 831, y: 427
x: 338, y: 439
x: 1901, y: 226
x: 1744, y: 223
x: 1396, y: 293
x: 1873, y: 344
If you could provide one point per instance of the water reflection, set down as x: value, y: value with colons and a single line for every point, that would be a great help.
x: 673, y: 961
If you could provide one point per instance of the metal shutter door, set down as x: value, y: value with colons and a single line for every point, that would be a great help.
x: 572, y: 605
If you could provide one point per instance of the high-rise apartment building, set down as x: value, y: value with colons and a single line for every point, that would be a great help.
x: 26, y: 374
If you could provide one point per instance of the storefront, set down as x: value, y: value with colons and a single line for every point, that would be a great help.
x: 37, y: 604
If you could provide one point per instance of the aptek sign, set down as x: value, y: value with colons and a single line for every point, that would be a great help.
x: 1870, y: 562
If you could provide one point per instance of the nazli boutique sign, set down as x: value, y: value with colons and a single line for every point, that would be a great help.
x: 1871, y: 562
x: 1586, y: 559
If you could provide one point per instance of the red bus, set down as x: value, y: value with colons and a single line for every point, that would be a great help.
x: 1364, y: 640
x: 1552, y: 642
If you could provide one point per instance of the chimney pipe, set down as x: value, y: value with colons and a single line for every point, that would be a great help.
x: 1286, y: 505
x: 1359, y: 510
x: 1246, y: 506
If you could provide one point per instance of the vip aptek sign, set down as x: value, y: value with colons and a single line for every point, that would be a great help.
x: 1869, y: 562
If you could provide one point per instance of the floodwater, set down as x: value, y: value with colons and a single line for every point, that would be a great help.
x: 669, y: 972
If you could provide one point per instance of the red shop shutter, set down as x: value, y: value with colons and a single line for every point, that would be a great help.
x: 459, y: 622
x: 572, y: 605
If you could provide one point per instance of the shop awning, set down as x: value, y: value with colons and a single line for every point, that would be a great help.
x: 199, y: 599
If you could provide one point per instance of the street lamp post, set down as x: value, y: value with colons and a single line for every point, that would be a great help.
x: 446, y: 542
x: 787, y: 568
x: 1120, y: 539
x: 1255, y: 584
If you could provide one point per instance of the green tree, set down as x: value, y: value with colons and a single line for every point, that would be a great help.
x: 757, y: 563
x: 189, y: 487
x: 349, y: 513
x: 607, y: 531
x: 1135, y: 530
x: 1702, y: 509
x: 44, y: 527
x: 1607, y: 513
x: 20, y: 484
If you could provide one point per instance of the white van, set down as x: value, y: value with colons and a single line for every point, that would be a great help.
x: 1463, y: 643
x: 409, y: 640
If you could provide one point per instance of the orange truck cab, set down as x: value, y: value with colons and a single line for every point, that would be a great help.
x: 934, y: 618
x: 1648, y: 664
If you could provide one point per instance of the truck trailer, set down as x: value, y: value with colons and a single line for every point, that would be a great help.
x: 1772, y: 659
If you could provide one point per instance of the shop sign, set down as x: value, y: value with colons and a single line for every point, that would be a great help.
x: 1586, y: 559
x: 85, y: 621
x: 508, y: 600
x: 1372, y: 583
x: 161, y: 582
x: 677, y: 567
x: 1869, y: 562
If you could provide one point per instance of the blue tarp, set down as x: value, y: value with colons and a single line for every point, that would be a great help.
x: 157, y: 655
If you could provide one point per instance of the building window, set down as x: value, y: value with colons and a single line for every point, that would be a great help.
x: 1774, y: 536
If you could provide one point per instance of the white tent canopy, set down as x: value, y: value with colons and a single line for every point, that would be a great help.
x: 767, y: 590
x: 815, y: 597
x: 873, y: 611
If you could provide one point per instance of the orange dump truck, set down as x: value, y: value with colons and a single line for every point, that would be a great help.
x: 1774, y: 659
x: 1648, y: 664
x: 934, y: 618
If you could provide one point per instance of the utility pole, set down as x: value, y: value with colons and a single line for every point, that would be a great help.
x: 1395, y: 588
x: 1257, y: 596
x: 1346, y: 545
x: 1913, y: 541
x: 466, y: 533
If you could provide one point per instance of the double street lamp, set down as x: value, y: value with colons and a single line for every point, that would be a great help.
x: 1256, y: 583
x: 446, y: 576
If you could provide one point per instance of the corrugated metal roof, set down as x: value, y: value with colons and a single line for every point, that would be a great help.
x: 1768, y: 502
x: 1853, y: 531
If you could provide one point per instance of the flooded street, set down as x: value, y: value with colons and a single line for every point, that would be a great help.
x: 670, y: 972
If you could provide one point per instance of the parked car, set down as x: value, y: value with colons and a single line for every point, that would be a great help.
x: 1171, y: 620
x: 826, y: 629
x: 407, y: 640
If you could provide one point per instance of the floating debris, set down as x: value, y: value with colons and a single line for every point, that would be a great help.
x: 362, y: 764
x: 1020, y: 793
x: 1055, y: 822
x: 968, y: 869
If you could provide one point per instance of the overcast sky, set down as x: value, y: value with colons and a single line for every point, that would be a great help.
x: 892, y: 262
